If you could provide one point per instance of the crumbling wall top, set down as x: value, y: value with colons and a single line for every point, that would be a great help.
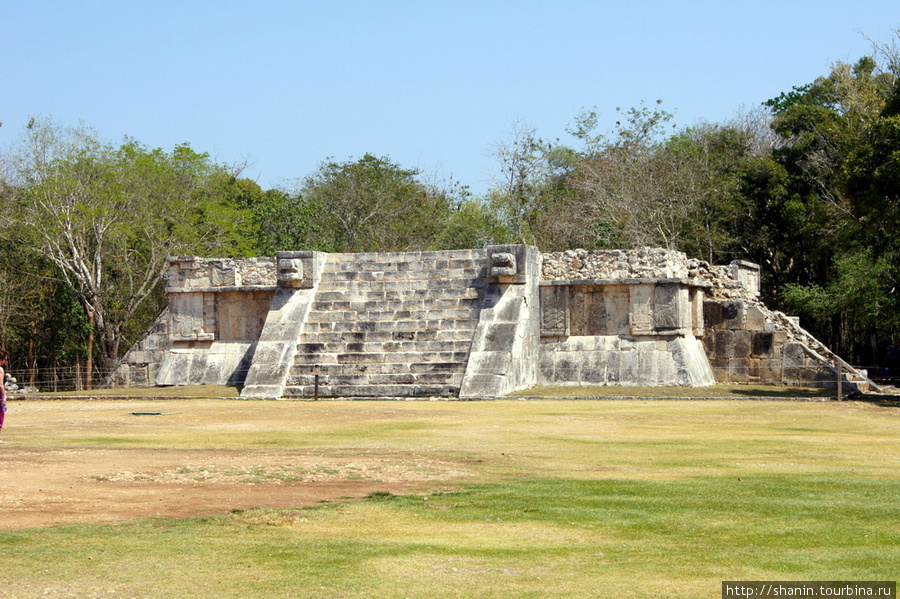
x: 193, y: 274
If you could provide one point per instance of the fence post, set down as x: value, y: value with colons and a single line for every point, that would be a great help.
x: 840, y: 386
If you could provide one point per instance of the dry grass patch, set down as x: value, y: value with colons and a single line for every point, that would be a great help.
x: 625, y: 498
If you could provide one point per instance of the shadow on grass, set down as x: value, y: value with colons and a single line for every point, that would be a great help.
x: 790, y: 392
x: 718, y: 391
x: 885, y: 401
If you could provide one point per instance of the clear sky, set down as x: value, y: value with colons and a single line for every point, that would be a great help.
x: 285, y: 84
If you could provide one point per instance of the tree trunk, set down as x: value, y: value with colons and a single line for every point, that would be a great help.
x: 89, y: 361
x: 77, y: 382
x: 31, y: 362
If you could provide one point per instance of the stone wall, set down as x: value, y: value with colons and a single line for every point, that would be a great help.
x: 207, y: 335
x: 468, y: 324
x: 141, y: 366
x: 656, y: 263
x: 192, y: 273
x: 636, y: 332
x: 748, y: 343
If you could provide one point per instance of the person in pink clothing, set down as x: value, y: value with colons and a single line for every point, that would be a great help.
x: 4, y: 356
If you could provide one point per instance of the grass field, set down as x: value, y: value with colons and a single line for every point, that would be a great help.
x: 550, y: 498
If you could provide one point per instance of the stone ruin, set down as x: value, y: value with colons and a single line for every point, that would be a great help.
x: 470, y: 324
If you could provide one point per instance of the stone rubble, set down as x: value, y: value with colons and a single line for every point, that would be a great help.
x: 646, y: 263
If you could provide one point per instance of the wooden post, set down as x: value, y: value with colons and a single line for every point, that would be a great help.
x: 840, y: 386
x: 316, y: 392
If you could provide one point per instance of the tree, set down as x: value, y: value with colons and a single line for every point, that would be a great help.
x: 631, y: 183
x: 282, y: 221
x: 711, y: 160
x: 471, y: 223
x: 371, y: 204
x: 837, y: 204
x: 106, y: 217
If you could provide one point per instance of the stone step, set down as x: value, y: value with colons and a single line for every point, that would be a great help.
x: 390, y: 325
x: 314, y: 348
x: 448, y: 335
x: 452, y: 297
x: 469, y: 273
x: 397, y: 326
x: 393, y: 358
x: 375, y: 313
x: 393, y: 368
x: 432, y: 289
x: 356, y: 380
x: 372, y: 391
x: 325, y: 302
x: 405, y: 261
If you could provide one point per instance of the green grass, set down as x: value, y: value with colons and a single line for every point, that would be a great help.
x: 562, y: 499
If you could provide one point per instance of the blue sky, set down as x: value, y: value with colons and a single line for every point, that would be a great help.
x: 432, y: 85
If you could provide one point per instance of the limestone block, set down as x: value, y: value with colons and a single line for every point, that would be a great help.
x: 241, y: 315
x: 274, y: 353
x: 747, y: 274
x: 738, y: 370
x: 568, y: 368
x: 761, y: 344
x: 262, y: 392
x: 554, y: 310
x: 596, y: 373
x: 755, y: 319
x: 724, y: 343
x: 628, y: 367
x: 512, y: 264
x: 793, y: 356
x: 690, y: 358
x: 696, y: 310
x: 742, y: 343
x: 482, y: 386
x: 299, y: 270
x: 209, y: 369
x: 713, y: 314
x: 641, y: 313
x: 709, y: 343
x: 498, y: 334
x: 771, y: 370
x: 491, y: 361
x: 647, y: 373
x: 138, y: 357
x: 222, y: 273
x: 669, y: 307
x: 594, y: 343
x: 733, y: 315
x: 139, y: 377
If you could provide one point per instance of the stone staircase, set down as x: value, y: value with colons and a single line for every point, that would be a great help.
x: 390, y: 325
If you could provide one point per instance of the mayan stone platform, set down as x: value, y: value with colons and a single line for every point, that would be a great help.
x: 468, y: 324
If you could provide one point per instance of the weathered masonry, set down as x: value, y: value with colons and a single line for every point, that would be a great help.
x: 469, y: 324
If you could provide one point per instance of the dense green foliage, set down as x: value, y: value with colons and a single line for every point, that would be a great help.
x: 809, y: 188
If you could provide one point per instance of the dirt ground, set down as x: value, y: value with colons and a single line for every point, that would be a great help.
x: 42, y: 488
x: 66, y: 462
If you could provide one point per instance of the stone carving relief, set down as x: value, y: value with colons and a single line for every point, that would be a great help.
x: 290, y: 272
x: 503, y: 264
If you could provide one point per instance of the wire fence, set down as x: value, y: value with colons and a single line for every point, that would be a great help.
x: 63, y: 378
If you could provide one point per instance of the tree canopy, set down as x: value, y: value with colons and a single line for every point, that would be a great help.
x: 106, y: 216
x: 807, y: 185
